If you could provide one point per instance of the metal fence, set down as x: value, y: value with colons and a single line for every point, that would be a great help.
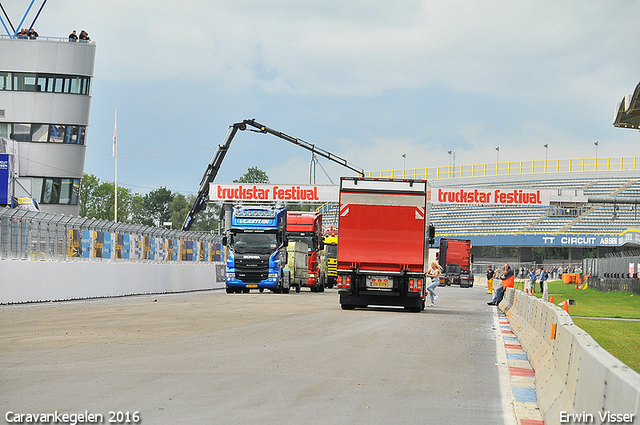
x: 34, y: 235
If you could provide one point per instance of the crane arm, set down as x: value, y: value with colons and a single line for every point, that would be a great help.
x: 214, y: 166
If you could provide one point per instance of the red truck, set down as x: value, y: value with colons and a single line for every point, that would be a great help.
x: 455, y: 258
x: 384, y: 243
x: 307, y: 227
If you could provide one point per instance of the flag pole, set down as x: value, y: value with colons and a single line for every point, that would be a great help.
x: 115, y: 154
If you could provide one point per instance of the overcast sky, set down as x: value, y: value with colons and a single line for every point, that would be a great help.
x: 366, y: 80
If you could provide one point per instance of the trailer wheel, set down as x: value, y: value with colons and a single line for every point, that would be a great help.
x: 297, y: 289
x: 347, y: 306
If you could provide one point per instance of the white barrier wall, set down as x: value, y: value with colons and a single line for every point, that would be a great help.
x: 574, y: 374
x: 30, y: 281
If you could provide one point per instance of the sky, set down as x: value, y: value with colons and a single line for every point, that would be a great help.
x: 369, y: 81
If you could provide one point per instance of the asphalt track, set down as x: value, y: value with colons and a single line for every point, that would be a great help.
x: 259, y: 358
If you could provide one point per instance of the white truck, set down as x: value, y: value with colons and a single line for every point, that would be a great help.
x: 297, y: 264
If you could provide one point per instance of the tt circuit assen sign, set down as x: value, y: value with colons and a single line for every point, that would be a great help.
x: 490, y: 196
x: 273, y: 193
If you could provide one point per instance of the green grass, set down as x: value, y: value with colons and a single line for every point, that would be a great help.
x: 620, y: 338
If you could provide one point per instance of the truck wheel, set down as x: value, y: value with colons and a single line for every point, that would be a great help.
x: 297, y: 289
x: 261, y: 290
x: 230, y: 291
x: 347, y: 306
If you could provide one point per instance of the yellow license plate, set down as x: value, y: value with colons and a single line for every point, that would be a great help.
x: 252, y: 286
x: 380, y: 284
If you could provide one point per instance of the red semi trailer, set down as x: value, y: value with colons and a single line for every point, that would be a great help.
x: 455, y: 258
x: 384, y: 243
x: 307, y: 227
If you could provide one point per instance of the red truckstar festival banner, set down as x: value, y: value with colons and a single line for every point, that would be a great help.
x: 451, y: 195
x: 273, y: 192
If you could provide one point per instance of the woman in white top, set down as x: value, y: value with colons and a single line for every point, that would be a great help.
x: 434, y: 274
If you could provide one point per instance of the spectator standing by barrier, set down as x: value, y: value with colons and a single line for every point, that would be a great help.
x: 543, y: 279
x: 490, y: 275
x: 73, y: 36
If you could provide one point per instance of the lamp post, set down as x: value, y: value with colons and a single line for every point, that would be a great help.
x: 546, y: 150
x: 449, y: 152
x: 595, y: 165
x: 497, y: 153
x: 404, y: 161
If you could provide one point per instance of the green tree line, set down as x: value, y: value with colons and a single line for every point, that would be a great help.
x: 159, y: 206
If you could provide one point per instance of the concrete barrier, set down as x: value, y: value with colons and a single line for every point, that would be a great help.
x: 574, y: 374
x: 32, y: 281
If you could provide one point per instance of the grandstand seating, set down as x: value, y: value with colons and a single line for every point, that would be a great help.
x: 596, y: 218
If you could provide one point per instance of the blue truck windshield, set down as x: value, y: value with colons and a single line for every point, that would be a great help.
x: 254, y: 243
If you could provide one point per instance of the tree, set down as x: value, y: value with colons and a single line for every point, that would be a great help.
x: 253, y: 175
x: 158, y: 206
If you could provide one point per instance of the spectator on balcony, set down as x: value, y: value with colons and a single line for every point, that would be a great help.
x: 73, y: 36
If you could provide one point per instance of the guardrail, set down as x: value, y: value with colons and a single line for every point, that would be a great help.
x: 33, y: 235
x: 574, y: 374
x: 512, y: 168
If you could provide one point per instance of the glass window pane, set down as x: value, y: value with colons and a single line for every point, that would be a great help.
x: 21, y: 132
x: 56, y: 133
x: 42, y: 83
x: 84, y: 86
x: 39, y: 132
x: 67, y: 84
x: 58, y: 85
x: 23, y: 81
x: 55, y: 190
x: 65, y: 190
x: 82, y: 135
x: 88, y: 90
x: 36, y: 188
x: 5, y: 81
x: 4, y: 129
x: 74, y: 191
x: 46, y: 191
x: 50, y: 83
x: 72, y: 134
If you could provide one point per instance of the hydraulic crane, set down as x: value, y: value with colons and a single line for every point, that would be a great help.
x: 214, y: 166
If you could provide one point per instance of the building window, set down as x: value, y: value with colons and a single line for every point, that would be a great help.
x: 5, y: 81
x: 54, y: 133
x: 21, y: 132
x: 49, y: 190
x: 49, y: 83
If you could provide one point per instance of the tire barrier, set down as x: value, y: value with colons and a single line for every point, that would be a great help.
x: 577, y: 381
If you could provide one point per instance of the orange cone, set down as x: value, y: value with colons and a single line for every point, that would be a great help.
x: 551, y: 299
x: 565, y: 306
x: 526, y: 290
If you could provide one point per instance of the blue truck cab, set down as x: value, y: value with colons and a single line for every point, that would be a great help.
x: 257, y: 250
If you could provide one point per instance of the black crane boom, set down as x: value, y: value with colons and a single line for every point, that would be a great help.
x: 214, y: 166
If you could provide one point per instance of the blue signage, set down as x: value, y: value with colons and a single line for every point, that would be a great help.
x: 6, y: 177
x: 631, y: 236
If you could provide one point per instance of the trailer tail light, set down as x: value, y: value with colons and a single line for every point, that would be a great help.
x: 415, y: 285
x: 344, y: 282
